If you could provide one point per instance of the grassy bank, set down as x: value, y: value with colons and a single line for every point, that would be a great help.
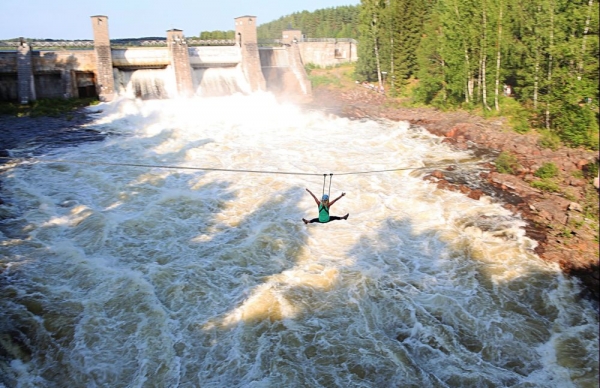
x: 46, y: 107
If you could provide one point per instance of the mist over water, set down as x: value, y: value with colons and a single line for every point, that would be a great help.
x: 128, y: 276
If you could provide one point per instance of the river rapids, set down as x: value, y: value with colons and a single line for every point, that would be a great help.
x: 173, y: 254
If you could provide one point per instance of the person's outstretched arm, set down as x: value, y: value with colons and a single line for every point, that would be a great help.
x: 332, y: 202
x: 316, y: 200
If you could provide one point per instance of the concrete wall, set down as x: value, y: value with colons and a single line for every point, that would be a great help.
x: 215, y: 56
x: 45, y: 61
x: 56, y: 74
x: 9, y: 84
x: 8, y: 62
x: 325, y: 54
x: 8, y: 76
x: 80, y: 60
x: 141, y: 57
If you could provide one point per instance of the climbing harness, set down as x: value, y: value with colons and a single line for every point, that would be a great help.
x: 324, y: 179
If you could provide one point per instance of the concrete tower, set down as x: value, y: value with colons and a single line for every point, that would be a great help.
x: 246, y: 38
x: 180, y: 60
x: 26, y: 84
x: 105, y: 83
x: 291, y: 35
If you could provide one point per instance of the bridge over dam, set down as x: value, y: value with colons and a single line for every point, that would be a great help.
x: 165, y: 68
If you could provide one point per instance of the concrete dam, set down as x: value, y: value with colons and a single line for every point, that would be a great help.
x: 174, y: 67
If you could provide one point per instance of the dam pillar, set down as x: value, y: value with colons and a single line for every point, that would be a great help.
x: 297, y: 67
x: 246, y: 38
x: 25, y: 80
x: 180, y: 61
x: 290, y: 36
x: 105, y: 86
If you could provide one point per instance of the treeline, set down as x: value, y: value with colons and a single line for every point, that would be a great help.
x: 217, y: 35
x: 336, y: 22
x: 468, y: 53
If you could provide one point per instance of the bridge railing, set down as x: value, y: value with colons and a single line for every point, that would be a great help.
x: 278, y: 42
x: 212, y: 42
x: 330, y: 40
x: 47, y: 44
x: 9, y: 44
x: 163, y: 42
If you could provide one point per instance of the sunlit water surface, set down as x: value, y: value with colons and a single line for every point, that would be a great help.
x: 121, y: 276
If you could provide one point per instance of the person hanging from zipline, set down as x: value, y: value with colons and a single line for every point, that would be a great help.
x: 324, y: 206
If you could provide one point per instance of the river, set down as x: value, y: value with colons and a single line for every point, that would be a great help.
x: 173, y: 254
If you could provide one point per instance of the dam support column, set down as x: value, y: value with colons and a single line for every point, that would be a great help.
x: 246, y: 38
x: 25, y: 80
x: 105, y: 86
x: 67, y: 78
x: 297, y: 67
x: 180, y: 61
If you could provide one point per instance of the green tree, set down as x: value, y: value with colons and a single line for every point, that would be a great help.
x: 431, y: 64
x: 341, y: 22
x: 371, y: 20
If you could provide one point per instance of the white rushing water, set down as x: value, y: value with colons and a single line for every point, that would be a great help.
x: 120, y: 276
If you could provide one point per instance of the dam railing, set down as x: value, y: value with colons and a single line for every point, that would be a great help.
x: 279, y: 42
x: 121, y: 43
x: 115, y: 43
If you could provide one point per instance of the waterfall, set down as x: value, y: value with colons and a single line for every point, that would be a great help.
x: 147, y: 84
x: 220, y: 81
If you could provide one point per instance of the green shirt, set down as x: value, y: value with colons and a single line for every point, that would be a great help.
x: 323, y: 213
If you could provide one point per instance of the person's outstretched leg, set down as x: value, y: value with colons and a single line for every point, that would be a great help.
x: 335, y: 218
x: 311, y: 221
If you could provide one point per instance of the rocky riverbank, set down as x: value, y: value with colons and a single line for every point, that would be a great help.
x: 560, y: 222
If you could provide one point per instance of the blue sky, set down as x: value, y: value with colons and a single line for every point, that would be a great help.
x: 70, y: 19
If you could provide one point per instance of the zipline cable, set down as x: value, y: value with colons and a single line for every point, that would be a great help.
x: 91, y: 163
x: 51, y: 161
